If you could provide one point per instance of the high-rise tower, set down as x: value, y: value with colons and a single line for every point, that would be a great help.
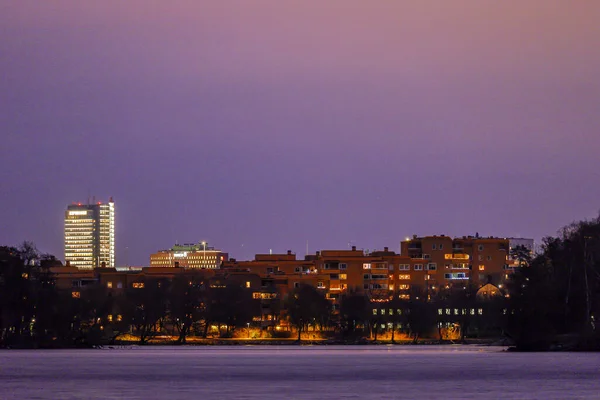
x: 90, y: 235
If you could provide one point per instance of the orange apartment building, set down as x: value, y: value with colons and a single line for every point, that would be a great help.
x: 429, y: 263
x: 456, y: 261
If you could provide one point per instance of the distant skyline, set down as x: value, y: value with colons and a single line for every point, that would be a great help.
x: 257, y: 125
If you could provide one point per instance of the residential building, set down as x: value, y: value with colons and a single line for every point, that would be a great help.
x: 458, y: 261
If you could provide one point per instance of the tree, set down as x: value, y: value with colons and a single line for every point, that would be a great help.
x: 522, y: 254
x: 420, y: 313
x: 185, y: 299
x: 354, y: 311
x: 305, y: 305
x: 232, y: 306
x: 531, y: 306
x: 146, y: 306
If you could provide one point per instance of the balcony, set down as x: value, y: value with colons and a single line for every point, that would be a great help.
x: 456, y: 256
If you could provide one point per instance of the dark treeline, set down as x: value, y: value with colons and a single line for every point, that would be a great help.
x: 552, y: 300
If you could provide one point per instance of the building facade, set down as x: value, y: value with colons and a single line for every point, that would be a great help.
x: 189, y: 255
x: 90, y: 235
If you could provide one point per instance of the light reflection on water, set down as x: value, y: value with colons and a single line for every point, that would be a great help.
x: 299, y: 372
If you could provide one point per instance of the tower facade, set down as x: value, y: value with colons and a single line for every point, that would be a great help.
x: 90, y: 235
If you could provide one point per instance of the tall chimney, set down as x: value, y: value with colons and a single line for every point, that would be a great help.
x: 353, y: 248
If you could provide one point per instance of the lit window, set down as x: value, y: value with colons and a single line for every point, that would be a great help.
x: 482, y: 267
x: 343, y: 276
x: 109, y: 285
x: 403, y: 287
x: 404, y: 277
x: 76, y: 295
x: 138, y: 285
x: 247, y: 284
x: 367, y: 266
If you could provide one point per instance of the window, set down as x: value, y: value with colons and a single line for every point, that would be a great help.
x: 297, y: 269
x: 109, y: 285
x: 247, y: 284
x: 404, y: 277
x: 343, y: 276
x: 374, y: 311
x: 296, y: 284
x: 138, y: 285
x: 456, y: 275
x: 76, y: 295
x: 480, y: 247
x: 404, y: 267
x: 441, y: 246
x: 418, y: 267
x: 367, y: 266
x: 427, y: 277
x: 334, y: 276
x: 482, y: 267
x: 403, y: 287
x: 432, y: 266
x: 433, y: 246
x: 426, y: 256
x: 269, y: 270
x: 327, y: 266
x: 343, y: 265
x: 343, y: 286
x: 366, y: 276
x: 391, y: 267
x: 489, y: 258
x: 320, y: 284
x: 480, y: 257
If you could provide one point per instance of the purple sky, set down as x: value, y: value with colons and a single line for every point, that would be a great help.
x: 257, y: 125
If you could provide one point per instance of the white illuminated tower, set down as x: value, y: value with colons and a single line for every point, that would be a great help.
x: 90, y: 235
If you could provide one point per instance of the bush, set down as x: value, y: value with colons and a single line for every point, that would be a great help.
x: 281, y: 334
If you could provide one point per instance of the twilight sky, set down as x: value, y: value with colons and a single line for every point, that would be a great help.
x: 262, y: 124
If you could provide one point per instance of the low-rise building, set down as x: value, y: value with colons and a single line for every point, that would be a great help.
x: 189, y: 255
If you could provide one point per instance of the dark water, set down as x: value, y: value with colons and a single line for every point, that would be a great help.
x: 362, y: 372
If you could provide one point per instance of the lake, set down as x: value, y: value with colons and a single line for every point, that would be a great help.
x: 298, y: 372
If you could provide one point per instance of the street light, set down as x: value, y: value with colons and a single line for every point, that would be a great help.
x: 248, y: 325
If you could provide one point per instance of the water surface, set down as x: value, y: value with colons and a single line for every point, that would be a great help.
x: 306, y: 372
